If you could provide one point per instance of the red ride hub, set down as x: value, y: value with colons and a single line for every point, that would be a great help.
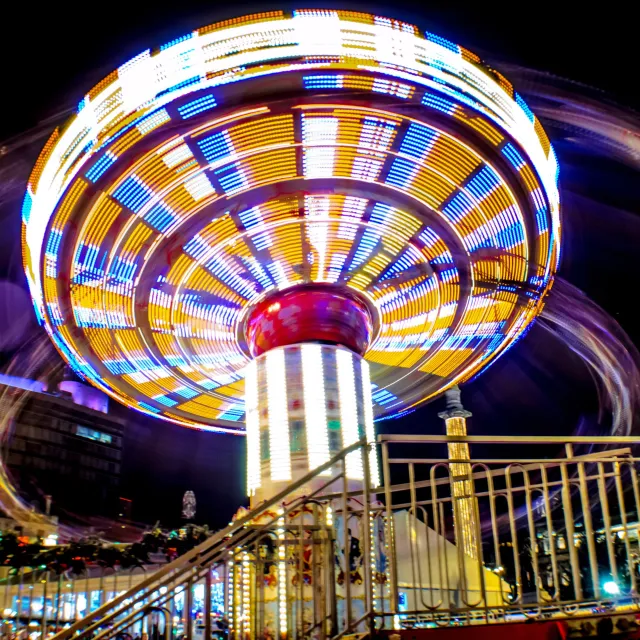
x: 310, y: 313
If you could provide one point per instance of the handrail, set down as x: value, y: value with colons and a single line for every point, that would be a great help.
x: 499, y: 439
x: 185, y: 560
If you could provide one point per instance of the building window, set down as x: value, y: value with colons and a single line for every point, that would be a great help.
x: 92, y: 434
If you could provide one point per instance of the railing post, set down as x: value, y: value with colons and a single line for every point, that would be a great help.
x: 568, y: 518
x: 188, y: 606
x: 331, y: 581
x: 389, y: 533
x: 346, y: 547
x: 44, y: 606
x: 368, y: 574
x: 588, y: 525
x: 207, y: 605
x: 606, y: 517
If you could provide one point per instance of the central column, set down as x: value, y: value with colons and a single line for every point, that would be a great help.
x: 308, y: 388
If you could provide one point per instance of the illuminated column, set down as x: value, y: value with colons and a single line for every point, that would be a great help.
x: 308, y: 402
x: 464, y: 504
x: 308, y: 388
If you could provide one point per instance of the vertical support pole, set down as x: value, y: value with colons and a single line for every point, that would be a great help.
x: 393, y: 568
x: 588, y: 525
x: 7, y: 591
x: 331, y: 581
x: 346, y: 547
x: 58, y: 602
x: 207, y: 605
x: 568, y: 521
x: 44, y: 606
x: 606, y: 517
x: 19, y: 607
x: 188, y: 606
x: 366, y: 537
x: 316, y: 580
x: 31, y: 590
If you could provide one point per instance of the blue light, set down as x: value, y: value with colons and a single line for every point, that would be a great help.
x: 186, y: 392
x: 258, y: 272
x: 176, y: 41
x: 122, y: 270
x: 402, y: 172
x: 382, y: 396
x: 231, y: 178
x: 180, y: 85
x: 27, y: 203
x: 428, y: 237
x: 86, y: 269
x: 448, y: 275
x: 195, y: 107
x: 234, y: 413
x: 439, y: 103
x: 611, y: 588
x: 418, y: 141
x: 160, y: 216
x: 512, y: 155
x: 133, y: 193
x: 458, y: 207
x: 176, y: 360
x: 483, y: 183
x: 102, y: 164
x: 401, y: 264
x: 148, y: 407
x: 323, y: 82
x: 217, y: 146
x: 119, y: 366
x: 524, y: 106
x: 165, y: 400
x: 196, y: 247
x: 443, y: 42
x: 368, y: 242
x: 510, y: 237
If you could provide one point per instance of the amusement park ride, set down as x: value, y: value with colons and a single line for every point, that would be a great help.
x: 289, y: 226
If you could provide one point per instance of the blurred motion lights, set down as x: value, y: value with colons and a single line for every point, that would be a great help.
x: 325, y: 149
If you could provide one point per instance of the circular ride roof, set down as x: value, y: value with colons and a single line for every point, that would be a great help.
x: 257, y: 154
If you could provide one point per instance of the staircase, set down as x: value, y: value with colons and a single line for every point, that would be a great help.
x: 344, y: 560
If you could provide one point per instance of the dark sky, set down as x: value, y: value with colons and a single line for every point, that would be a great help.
x: 53, y: 53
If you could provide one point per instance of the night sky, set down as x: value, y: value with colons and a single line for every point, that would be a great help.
x: 53, y: 53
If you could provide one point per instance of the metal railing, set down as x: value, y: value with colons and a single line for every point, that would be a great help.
x: 239, y: 554
x: 557, y: 517
x: 556, y: 523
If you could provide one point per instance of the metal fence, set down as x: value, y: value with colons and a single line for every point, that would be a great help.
x: 522, y: 528
x: 555, y: 527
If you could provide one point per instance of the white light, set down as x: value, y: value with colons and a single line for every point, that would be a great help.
x: 177, y: 156
x: 611, y: 588
x: 51, y: 540
x: 199, y: 187
x: 369, y: 428
x: 348, y: 411
x: 253, y: 426
x: 315, y: 406
x: 280, y: 452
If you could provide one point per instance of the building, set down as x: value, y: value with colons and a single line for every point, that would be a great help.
x: 64, y: 457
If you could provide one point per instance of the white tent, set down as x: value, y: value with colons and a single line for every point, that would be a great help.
x: 434, y: 573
